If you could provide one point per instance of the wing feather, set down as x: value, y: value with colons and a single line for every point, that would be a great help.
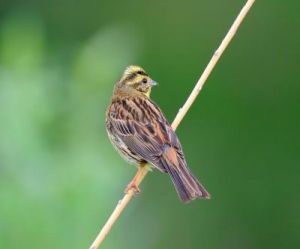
x: 146, y: 135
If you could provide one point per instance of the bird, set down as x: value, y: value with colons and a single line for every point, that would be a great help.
x: 141, y: 134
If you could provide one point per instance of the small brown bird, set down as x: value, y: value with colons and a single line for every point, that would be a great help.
x: 140, y: 132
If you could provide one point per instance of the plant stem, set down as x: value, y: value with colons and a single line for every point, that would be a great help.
x: 213, y: 61
x: 142, y: 171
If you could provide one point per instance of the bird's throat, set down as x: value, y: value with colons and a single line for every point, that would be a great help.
x: 148, y: 93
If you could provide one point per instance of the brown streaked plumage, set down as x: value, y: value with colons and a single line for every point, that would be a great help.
x: 140, y: 132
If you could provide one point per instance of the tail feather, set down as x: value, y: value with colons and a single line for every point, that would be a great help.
x: 187, y: 186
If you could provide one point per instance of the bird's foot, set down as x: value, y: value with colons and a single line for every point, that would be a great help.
x: 132, y: 186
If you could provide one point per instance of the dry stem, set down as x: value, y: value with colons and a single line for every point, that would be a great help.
x: 180, y: 115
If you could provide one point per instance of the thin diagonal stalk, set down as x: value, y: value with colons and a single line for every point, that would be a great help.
x: 180, y: 115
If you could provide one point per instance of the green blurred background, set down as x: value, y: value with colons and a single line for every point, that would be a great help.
x: 59, y: 175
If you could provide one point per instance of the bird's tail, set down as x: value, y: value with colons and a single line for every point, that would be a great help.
x: 187, y: 186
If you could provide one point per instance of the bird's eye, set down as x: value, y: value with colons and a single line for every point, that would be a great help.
x: 144, y: 80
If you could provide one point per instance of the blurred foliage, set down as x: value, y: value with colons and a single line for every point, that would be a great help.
x: 59, y: 175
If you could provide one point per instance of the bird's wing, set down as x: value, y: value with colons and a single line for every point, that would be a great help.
x: 141, y: 125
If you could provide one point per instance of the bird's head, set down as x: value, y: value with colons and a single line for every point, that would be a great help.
x: 135, y: 79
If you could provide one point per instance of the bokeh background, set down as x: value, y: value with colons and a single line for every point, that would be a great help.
x: 60, y: 177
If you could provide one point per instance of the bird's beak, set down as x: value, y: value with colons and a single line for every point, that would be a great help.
x: 153, y: 83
